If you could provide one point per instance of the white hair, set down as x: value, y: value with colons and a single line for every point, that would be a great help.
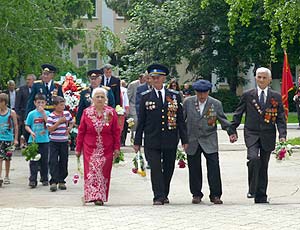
x: 99, y: 90
x: 264, y: 70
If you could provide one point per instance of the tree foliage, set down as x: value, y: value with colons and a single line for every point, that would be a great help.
x: 35, y: 32
x: 282, y: 17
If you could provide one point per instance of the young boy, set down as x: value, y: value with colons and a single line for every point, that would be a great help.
x: 59, y: 124
x: 8, y: 134
x: 35, y: 125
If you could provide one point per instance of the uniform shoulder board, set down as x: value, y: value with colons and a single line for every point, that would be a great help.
x: 86, y: 88
x: 145, y: 92
x: 38, y: 81
x: 105, y: 87
x: 174, y: 91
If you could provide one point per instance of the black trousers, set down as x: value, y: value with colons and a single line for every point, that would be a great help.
x: 162, y: 163
x: 124, y: 133
x: 258, y: 162
x: 40, y: 165
x: 213, y: 173
x: 58, y: 162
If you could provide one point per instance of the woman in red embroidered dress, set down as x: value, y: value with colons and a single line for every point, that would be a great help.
x: 99, y: 140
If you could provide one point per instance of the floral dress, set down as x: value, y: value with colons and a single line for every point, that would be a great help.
x: 98, y: 137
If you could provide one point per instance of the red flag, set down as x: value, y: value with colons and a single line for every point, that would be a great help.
x: 287, y: 84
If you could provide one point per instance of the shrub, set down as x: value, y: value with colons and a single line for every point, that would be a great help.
x: 228, y: 99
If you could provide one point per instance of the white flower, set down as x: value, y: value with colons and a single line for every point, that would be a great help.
x: 119, y: 110
x: 37, y: 157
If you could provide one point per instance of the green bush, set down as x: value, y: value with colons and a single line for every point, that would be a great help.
x: 228, y: 99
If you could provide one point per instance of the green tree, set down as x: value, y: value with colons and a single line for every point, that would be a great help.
x: 35, y: 32
x: 282, y: 18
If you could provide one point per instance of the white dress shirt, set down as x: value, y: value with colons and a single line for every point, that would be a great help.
x: 201, y: 106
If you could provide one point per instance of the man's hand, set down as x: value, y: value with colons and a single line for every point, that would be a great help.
x: 282, y: 139
x: 233, y: 138
x: 185, y: 146
x: 136, y: 148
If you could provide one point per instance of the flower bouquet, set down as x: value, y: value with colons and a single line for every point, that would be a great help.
x: 139, y: 164
x: 119, y: 160
x: 181, y: 157
x: 9, y: 151
x: 282, y: 151
x: 131, y: 124
x: 31, y: 152
x: 79, y: 170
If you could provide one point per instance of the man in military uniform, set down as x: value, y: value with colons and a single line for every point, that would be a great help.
x: 264, y: 113
x: 161, y: 120
x: 86, y: 94
x: 45, y: 86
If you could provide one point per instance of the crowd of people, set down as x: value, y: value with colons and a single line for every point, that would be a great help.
x: 163, y: 115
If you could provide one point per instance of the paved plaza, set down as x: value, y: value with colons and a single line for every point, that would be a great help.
x: 130, y: 200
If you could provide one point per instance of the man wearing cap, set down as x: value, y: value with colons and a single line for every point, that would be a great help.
x: 86, y: 94
x: 201, y: 113
x: 45, y: 86
x: 264, y: 112
x: 112, y: 82
x: 161, y: 121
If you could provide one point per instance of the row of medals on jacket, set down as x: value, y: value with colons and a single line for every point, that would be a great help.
x: 172, y: 111
x: 270, y: 113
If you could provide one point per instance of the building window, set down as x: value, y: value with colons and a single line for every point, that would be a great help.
x: 94, y: 2
x: 94, y: 13
x: 119, y: 17
x: 90, y: 61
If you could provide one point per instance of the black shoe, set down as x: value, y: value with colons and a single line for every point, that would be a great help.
x: 250, y: 195
x: 216, y: 200
x: 53, y: 187
x: 32, y: 184
x: 261, y: 202
x: 62, y: 186
x: 196, y: 200
x: 166, y: 201
x: 158, y: 202
x: 45, y: 183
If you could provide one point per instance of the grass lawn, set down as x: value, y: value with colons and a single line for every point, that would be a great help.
x: 292, y: 118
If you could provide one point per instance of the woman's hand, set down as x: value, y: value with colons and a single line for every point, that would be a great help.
x: 116, y: 154
x: 78, y: 154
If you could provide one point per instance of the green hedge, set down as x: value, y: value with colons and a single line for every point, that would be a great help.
x: 228, y: 99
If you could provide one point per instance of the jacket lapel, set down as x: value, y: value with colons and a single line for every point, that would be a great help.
x: 206, y: 107
x: 196, y: 108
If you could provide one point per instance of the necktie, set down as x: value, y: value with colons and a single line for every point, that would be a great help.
x: 262, y: 99
x: 47, y: 88
x: 107, y: 82
x: 160, y: 97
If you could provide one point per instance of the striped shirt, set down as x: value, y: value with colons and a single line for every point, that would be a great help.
x: 60, y: 134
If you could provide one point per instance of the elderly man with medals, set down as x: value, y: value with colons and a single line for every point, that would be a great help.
x: 264, y: 113
x: 161, y: 121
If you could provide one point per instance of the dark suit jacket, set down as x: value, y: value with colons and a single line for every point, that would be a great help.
x: 142, y: 88
x: 86, y: 99
x: 256, y: 128
x: 21, y: 101
x: 153, y: 122
x: 114, y: 84
x: 8, y: 104
x: 39, y: 87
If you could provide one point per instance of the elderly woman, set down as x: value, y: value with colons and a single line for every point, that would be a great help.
x: 99, y: 140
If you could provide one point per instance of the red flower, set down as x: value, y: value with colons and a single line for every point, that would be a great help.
x: 181, y: 164
x: 134, y: 170
x: 9, y: 154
